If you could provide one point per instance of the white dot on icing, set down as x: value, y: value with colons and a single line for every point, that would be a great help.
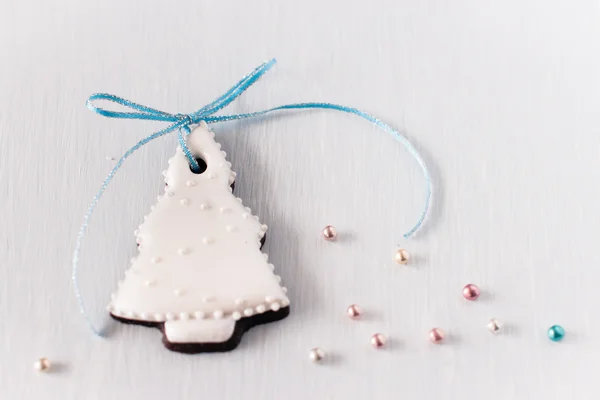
x: 164, y: 173
x: 218, y: 314
x: 155, y: 260
x: 143, y: 316
x: 224, y: 210
x: 136, y: 232
x: 239, y: 302
x: 109, y: 308
x: 170, y: 316
x: 199, y: 314
x: 265, y: 256
x: 132, y: 260
x: 183, y: 251
x: 212, y: 175
x: 207, y: 240
x: 245, y: 215
x: 233, y: 174
x: 272, y: 267
x: 269, y: 299
x: 263, y: 227
x: 184, y: 315
x: 208, y: 299
x: 284, y: 289
x: 275, y: 306
x: 228, y: 164
x: 204, y: 206
x: 170, y: 194
x: 278, y: 278
x: 239, y: 199
x: 148, y: 283
x: 159, y: 317
x: 190, y: 183
x: 236, y: 315
x: 223, y: 154
x: 261, y: 309
x: 285, y: 302
x: 248, y: 312
x: 184, y: 202
x: 256, y: 217
x: 130, y: 314
x: 230, y: 228
x: 178, y: 292
x: 247, y: 209
x: 151, y: 208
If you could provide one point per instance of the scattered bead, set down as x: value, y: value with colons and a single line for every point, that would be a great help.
x: 184, y: 316
x: 184, y: 202
x: 556, y: 333
x: 329, y: 233
x: 212, y: 175
x: 245, y: 215
x: 261, y: 308
x: 43, y: 364
x: 316, y: 355
x: 269, y: 299
x: 170, y: 316
x: 204, y: 206
x: 169, y: 194
x: 207, y: 240
x: 159, y: 317
x: 436, y: 335
x: 183, y: 251
x: 401, y: 256
x: 471, y: 292
x: 239, y: 302
x: 236, y: 316
x: 275, y: 306
x: 190, y: 183
x: 155, y: 260
x: 224, y: 210
x: 148, y: 283
x: 378, y: 340
x: 230, y: 228
x: 493, y: 325
x: 199, y: 314
x: 218, y: 314
x: 178, y: 292
x: 354, y: 311
x: 248, y: 312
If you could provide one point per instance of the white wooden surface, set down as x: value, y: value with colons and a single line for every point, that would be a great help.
x: 501, y: 97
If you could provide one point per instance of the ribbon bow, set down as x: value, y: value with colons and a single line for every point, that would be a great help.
x: 181, y: 123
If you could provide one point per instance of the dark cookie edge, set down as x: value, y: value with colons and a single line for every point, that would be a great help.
x: 241, y: 327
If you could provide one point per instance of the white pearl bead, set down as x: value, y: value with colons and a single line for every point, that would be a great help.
x: 494, y: 326
x: 43, y: 364
x: 316, y: 355
x: 184, y: 202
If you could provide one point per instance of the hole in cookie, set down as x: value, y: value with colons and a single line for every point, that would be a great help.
x: 201, y: 164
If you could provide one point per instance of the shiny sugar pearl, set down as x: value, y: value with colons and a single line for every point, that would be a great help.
x: 493, y: 326
x: 556, y: 333
x: 330, y: 233
x: 316, y: 355
x: 378, y: 340
x: 471, y: 292
x: 354, y: 311
x: 436, y: 335
x: 401, y: 256
x: 43, y: 364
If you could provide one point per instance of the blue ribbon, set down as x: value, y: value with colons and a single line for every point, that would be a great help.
x: 181, y: 123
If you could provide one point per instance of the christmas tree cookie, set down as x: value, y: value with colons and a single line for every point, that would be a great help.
x: 200, y: 275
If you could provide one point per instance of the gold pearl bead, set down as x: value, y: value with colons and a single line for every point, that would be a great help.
x: 43, y: 364
x: 401, y: 256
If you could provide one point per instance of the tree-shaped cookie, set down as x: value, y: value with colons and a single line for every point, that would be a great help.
x: 200, y: 275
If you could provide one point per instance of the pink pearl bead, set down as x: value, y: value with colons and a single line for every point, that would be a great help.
x: 354, y: 311
x: 378, y: 340
x: 471, y: 292
x: 436, y: 335
x: 329, y: 233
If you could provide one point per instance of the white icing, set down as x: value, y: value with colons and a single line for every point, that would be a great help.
x: 199, y: 244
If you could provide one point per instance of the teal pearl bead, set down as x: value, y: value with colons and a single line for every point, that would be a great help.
x: 556, y: 333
